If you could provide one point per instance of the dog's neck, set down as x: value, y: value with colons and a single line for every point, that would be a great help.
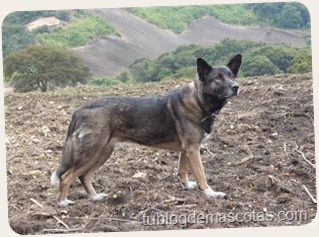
x: 210, y: 105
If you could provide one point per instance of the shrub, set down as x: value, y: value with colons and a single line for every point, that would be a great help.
x: 104, y: 81
x: 259, y: 65
x: 302, y: 63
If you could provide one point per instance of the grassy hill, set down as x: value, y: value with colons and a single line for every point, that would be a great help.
x: 80, y: 30
x: 176, y: 19
x: 76, y: 28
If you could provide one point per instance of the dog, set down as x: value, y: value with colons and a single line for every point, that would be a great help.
x: 178, y: 121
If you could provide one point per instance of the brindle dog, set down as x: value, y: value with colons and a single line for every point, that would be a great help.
x: 179, y: 121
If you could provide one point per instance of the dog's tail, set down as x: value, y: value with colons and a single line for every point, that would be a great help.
x: 55, y: 178
x: 67, y: 154
x: 65, y: 164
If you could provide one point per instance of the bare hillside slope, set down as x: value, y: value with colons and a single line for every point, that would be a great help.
x: 109, y: 56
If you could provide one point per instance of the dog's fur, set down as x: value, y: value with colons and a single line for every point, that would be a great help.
x: 177, y: 121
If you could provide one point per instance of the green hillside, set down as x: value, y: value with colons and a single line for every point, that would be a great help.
x: 281, y: 15
x: 80, y: 26
x: 79, y: 32
x: 177, y: 18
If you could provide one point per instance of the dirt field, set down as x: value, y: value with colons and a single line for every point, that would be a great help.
x: 261, y: 154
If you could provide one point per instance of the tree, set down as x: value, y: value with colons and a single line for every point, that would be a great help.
x: 259, y: 65
x: 285, y: 15
x: 104, y: 81
x: 43, y: 68
x: 15, y: 37
x: 143, y: 70
x: 280, y: 55
x: 302, y: 63
x: 290, y: 17
x: 123, y: 77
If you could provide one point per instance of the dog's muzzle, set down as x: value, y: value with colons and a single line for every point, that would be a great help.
x: 235, y: 89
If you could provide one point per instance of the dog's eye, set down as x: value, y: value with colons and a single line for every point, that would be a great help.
x: 218, y: 77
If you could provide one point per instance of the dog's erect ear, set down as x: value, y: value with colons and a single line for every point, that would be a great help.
x: 234, y: 64
x: 202, y: 68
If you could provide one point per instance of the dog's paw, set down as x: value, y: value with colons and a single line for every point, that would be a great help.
x: 98, y: 197
x: 190, y: 185
x: 65, y: 202
x: 210, y: 193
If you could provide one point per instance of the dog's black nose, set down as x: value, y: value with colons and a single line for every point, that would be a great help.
x: 235, y: 88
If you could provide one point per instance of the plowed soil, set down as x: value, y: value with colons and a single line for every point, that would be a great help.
x: 261, y: 153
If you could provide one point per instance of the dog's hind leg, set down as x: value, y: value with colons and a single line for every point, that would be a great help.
x: 64, y: 173
x: 183, y: 169
x: 87, y: 176
x: 65, y: 182
x: 88, y: 152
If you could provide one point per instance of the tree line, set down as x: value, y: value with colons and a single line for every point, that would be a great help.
x: 259, y: 59
x: 290, y: 15
x: 48, y: 67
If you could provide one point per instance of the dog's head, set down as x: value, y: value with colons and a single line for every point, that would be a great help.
x: 219, y: 81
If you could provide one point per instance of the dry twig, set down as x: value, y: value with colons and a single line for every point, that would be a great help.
x: 285, y: 149
x: 186, y: 206
x: 207, y: 149
x: 171, y: 199
x: 44, y: 214
x: 36, y: 202
x: 303, y: 156
x: 102, y: 218
x: 277, y: 183
x: 150, y: 208
x: 61, y: 222
x: 307, y: 191
x: 245, y: 159
x: 61, y: 230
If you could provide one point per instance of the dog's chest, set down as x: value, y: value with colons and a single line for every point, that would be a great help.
x: 207, y: 127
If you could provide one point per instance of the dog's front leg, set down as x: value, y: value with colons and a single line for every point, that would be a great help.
x: 197, y: 169
x: 183, y: 169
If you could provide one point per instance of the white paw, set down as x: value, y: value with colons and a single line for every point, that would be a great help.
x: 210, y: 193
x: 98, y: 197
x: 65, y: 202
x: 191, y: 185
